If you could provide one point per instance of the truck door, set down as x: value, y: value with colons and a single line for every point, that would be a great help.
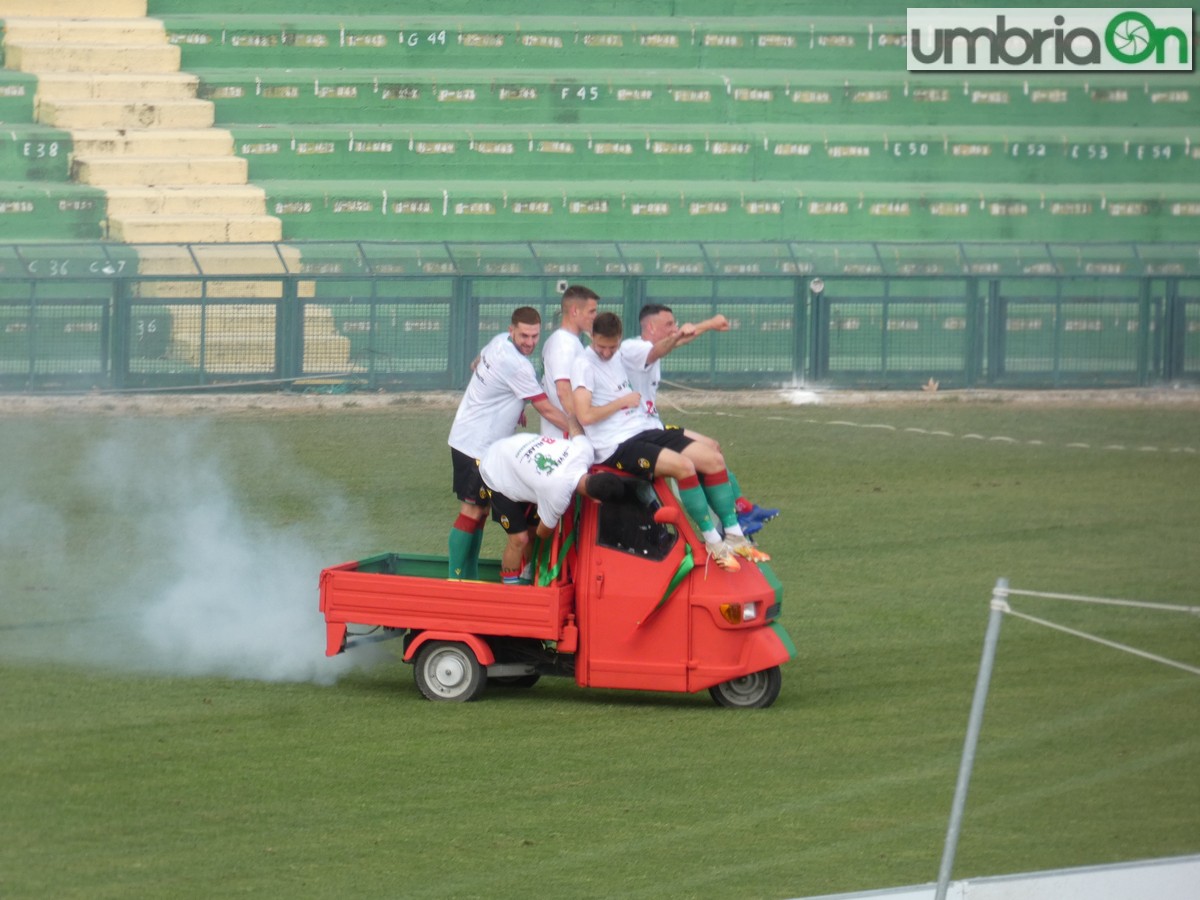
x: 634, y: 611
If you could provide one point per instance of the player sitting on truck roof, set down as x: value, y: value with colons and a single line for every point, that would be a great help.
x: 625, y: 439
x: 643, y: 355
x: 525, y: 471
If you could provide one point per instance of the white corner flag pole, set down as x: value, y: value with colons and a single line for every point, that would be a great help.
x: 999, y: 607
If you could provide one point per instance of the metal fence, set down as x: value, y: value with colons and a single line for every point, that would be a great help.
x: 111, y: 317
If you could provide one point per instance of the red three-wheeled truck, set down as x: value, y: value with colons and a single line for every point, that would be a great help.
x: 623, y: 596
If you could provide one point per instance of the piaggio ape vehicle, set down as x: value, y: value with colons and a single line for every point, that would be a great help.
x: 624, y: 596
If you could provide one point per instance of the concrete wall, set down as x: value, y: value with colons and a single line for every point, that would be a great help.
x: 1174, y: 878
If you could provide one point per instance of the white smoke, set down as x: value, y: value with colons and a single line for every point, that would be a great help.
x: 197, y: 582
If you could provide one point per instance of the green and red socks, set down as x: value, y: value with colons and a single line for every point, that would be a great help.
x: 466, y: 540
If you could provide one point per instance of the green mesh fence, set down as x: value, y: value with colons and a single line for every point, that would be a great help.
x: 344, y: 316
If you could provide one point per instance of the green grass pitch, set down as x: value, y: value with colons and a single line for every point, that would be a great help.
x: 170, y: 727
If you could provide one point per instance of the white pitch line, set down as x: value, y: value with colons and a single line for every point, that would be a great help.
x: 998, y: 438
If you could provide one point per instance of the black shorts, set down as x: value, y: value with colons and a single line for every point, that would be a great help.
x: 468, y: 484
x: 639, y: 455
x: 514, y: 516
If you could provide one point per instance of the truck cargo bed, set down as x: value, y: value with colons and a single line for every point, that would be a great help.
x: 412, y: 592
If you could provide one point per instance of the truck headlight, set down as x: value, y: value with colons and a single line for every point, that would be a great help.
x: 737, y: 613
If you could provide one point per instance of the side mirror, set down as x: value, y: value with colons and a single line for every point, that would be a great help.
x: 667, y: 515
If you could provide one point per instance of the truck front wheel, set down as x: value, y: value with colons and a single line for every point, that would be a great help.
x: 447, y: 670
x: 756, y: 691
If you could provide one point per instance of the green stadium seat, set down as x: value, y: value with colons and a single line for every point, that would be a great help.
x: 586, y: 43
x: 35, y: 153
x: 493, y: 151
x: 465, y: 96
x: 901, y: 98
x: 634, y: 117
x: 684, y: 8
x: 712, y: 210
x: 741, y: 153
x: 690, y: 96
x: 17, y: 90
x: 50, y: 211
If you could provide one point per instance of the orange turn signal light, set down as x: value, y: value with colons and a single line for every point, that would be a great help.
x: 737, y: 613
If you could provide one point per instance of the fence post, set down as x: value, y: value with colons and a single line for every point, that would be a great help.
x: 633, y: 296
x: 974, y: 350
x: 464, y: 332
x: 119, y: 337
x: 289, y: 332
x: 1144, y: 332
x: 819, y: 331
x: 1174, y: 339
x: 974, y: 724
x: 997, y: 333
x: 31, y: 335
x: 800, y: 329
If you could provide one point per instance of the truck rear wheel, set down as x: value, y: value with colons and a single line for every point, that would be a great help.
x: 756, y: 691
x: 447, y: 670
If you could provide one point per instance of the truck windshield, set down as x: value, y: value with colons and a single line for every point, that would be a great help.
x: 628, y: 525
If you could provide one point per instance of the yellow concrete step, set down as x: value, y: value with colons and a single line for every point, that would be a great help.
x: 223, y: 359
x: 173, y: 142
x: 236, y: 200
x: 117, y: 86
x: 51, y: 57
x: 241, y: 259
x: 182, y: 229
x: 73, y: 8
x: 218, y: 259
x: 58, y: 30
x: 115, y: 114
x: 171, y: 291
x: 247, y: 345
x: 158, y: 170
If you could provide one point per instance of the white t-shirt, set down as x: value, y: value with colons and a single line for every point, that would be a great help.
x: 643, y: 378
x: 558, y: 353
x: 607, y: 380
x: 533, y: 468
x: 501, y: 385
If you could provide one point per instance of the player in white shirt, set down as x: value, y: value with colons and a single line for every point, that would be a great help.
x: 643, y: 356
x: 626, y: 439
x: 564, y: 344
x: 612, y: 413
x: 660, y: 335
x: 502, y: 383
x: 524, y: 471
